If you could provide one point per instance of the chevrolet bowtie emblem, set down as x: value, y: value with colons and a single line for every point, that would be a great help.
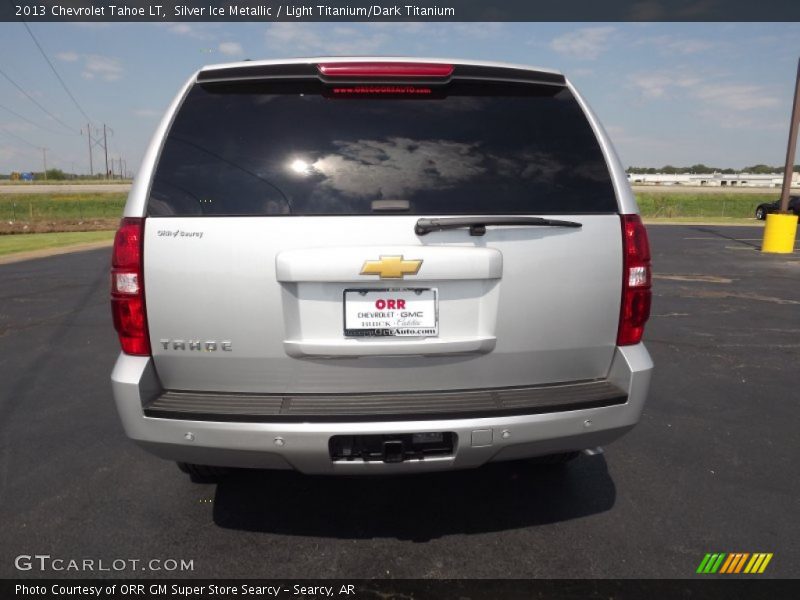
x: 391, y: 267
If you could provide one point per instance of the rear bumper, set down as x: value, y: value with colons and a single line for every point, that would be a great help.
x: 304, y: 445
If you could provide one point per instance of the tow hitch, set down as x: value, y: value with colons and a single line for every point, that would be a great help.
x: 393, y: 451
x: 391, y: 448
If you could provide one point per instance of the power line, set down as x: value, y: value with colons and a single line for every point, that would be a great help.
x: 52, y: 67
x: 32, y: 99
x: 15, y: 136
x: 30, y: 155
x: 26, y: 119
x: 36, y: 147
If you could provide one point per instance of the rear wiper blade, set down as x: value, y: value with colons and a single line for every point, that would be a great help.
x: 477, y: 225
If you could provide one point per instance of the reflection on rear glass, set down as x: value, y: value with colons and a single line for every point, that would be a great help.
x: 262, y: 151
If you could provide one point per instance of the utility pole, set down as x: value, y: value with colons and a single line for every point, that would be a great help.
x: 780, y: 229
x: 89, y: 135
x: 787, y: 173
x: 44, y: 159
x: 105, y: 148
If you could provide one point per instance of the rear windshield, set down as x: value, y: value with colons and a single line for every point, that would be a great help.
x: 301, y: 149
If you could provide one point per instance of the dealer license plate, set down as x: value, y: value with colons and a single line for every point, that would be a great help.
x: 391, y: 312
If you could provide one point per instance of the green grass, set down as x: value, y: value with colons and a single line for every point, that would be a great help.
x: 86, y: 206
x: 10, y: 244
x: 82, y: 206
x: 65, y: 182
x: 705, y: 220
x: 701, y: 206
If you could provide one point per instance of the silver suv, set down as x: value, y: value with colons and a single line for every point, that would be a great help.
x: 384, y: 265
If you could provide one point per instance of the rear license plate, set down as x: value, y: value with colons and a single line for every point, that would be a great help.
x: 391, y: 312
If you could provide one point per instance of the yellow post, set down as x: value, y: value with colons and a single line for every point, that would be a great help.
x: 780, y: 233
x: 781, y: 229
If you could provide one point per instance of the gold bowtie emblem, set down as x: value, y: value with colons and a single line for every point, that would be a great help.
x: 391, y: 267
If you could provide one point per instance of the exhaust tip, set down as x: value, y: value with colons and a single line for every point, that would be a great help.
x: 593, y: 451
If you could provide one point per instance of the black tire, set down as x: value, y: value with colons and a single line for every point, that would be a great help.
x: 203, y: 473
x: 761, y: 214
x: 552, y: 460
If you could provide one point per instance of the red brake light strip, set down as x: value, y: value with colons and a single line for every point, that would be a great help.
x: 385, y: 69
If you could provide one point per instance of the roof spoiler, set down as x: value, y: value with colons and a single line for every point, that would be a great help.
x: 379, y: 72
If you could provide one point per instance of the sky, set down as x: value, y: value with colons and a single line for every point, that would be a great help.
x: 667, y: 93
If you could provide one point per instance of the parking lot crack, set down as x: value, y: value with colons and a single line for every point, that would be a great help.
x: 687, y: 293
x: 693, y: 277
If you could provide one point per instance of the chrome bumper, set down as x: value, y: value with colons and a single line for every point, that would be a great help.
x: 304, y: 446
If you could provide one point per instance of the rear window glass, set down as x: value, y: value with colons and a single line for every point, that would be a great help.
x: 299, y: 149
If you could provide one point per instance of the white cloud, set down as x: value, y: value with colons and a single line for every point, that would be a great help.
x: 90, y: 24
x: 685, y: 46
x: 655, y: 84
x: 478, y: 30
x: 68, y: 56
x: 405, y: 28
x: 199, y: 31
x: 185, y: 29
x: 728, y: 105
x: 670, y: 44
x: 230, y: 48
x: 147, y: 113
x: 95, y: 65
x: 304, y: 38
x: 587, y: 43
x: 16, y: 126
x: 101, y: 67
x: 298, y: 36
x: 739, y: 120
x: 737, y: 97
x: 621, y: 135
x: 180, y: 28
x: 356, y: 41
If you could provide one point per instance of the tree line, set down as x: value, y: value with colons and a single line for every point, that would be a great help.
x: 52, y: 175
x: 701, y: 168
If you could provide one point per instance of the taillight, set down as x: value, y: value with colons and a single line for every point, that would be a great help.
x: 385, y: 69
x: 636, y: 293
x: 127, y: 288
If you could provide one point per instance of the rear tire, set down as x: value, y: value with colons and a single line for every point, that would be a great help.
x: 552, y: 460
x: 761, y: 214
x: 203, y: 473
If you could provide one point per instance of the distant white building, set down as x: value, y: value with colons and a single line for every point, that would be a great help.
x: 713, y: 179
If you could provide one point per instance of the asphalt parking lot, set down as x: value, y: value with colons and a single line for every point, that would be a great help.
x: 712, y: 467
